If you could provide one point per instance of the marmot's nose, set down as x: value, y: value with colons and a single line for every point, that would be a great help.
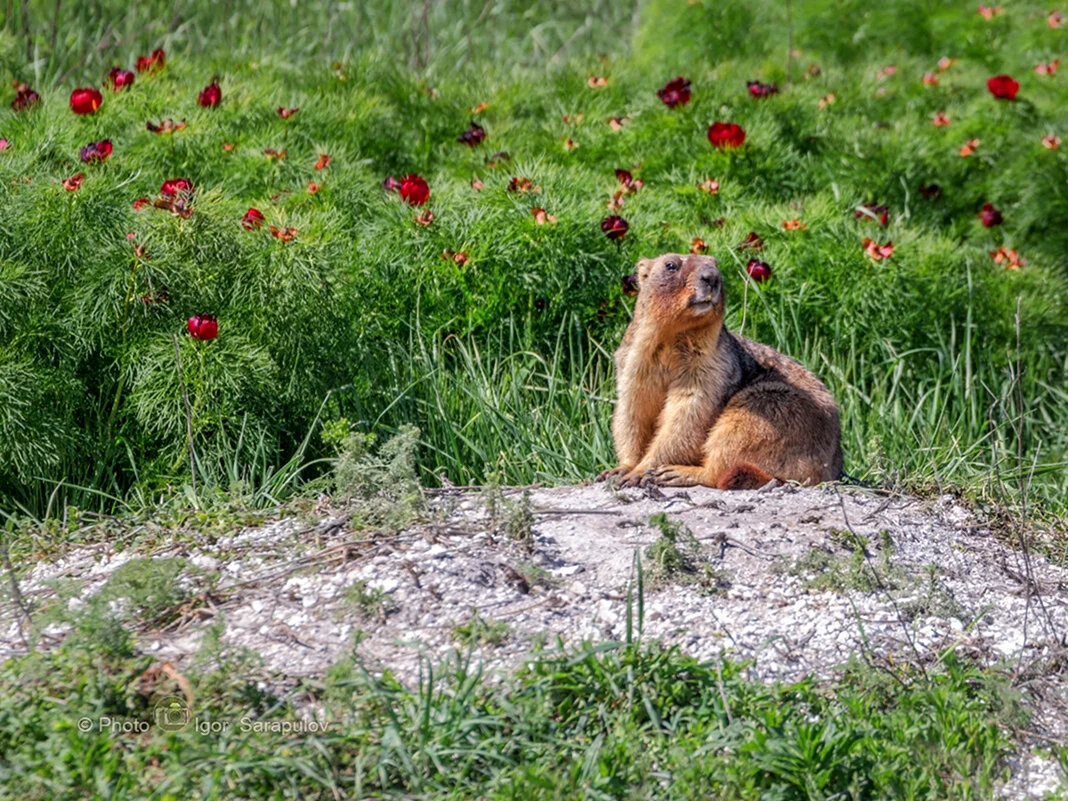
x: 707, y: 276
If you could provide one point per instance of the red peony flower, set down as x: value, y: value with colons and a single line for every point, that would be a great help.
x: 140, y: 203
x: 1051, y: 141
x: 24, y: 97
x: 676, y: 92
x: 414, y: 190
x: 698, y: 245
x: 876, y: 251
x: 285, y: 234
x: 630, y: 284
x: 323, y: 162
x: 873, y: 211
x: 930, y: 79
x: 570, y: 144
x: 726, y: 134
x: 989, y: 12
x: 1003, y: 87
x: 211, y: 95
x: 252, y: 220
x: 176, y: 187
x: 203, y: 327
x: 286, y: 113
x: 1049, y: 68
x: 969, y: 147
x: 886, y: 72
x: 1055, y: 19
x: 152, y: 63
x: 476, y: 184
x: 1010, y: 258
x: 424, y: 217
x: 761, y: 90
x: 4, y: 144
x: 758, y: 270
x: 940, y: 120
x: 96, y: 151
x: 519, y: 184
x: 391, y: 184
x: 617, y: 123
x: 597, y: 81
x: 945, y: 63
x: 541, y: 217
x: 165, y: 126
x: 794, y: 225
x: 614, y: 227
x: 990, y: 215
x: 271, y: 153
x: 629, y: 182
x: 85, y: 101
x: 71, y: 184
x: 710, y: 185
x: 752, y: 241
x: 473, y: 136
x: 313, y: 188
x: 120, y: 79
x: 478, y: 109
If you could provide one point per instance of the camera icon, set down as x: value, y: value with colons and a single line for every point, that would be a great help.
x: 171, y: 713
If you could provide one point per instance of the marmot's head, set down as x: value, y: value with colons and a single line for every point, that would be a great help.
x: 681, y: 292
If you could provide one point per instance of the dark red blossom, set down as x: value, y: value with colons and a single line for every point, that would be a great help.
x: 24, y: 97
x: 873, y: 211
x: 211, y: 95
x: 676, y: 92
x: 1003, y: 87
x: 391, y: 184
x: 614, y: 226
x: 96, y: 151
x: 152, y: 63
x: 252, y: 220
x: 85, y: 101
x: 752, y: 241
x: 990, y: 215
x: 71, y: 184
x: 323, y: 162
x: 140, y: 203
x: 284, y: 234
x: 414, y: 190
x: 176, y: 187
x: 203, y: 327
x: 630, y: 284
x: 165, y: 126
x: 931, y: 191
x: 761, y: 90
x: 473, y: 136
x: 120, y: 79
x: 876, y: 251
x: 726, y: 134
x: 286, y: 113
x: 758, y: 270
x: 628, y: 181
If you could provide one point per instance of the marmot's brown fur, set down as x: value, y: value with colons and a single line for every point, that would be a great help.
x: 700, y: 405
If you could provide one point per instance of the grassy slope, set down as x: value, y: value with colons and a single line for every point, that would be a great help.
x: 503, y: 363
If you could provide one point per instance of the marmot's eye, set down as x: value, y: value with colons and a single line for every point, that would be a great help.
x: 671, y: 266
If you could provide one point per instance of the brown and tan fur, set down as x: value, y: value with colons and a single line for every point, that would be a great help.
x: 700, y: 405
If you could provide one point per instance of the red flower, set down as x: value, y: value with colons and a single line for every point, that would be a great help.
x: 873, y: 211
x: 252, y: 220
x: 990, y: 215
x: 988, y: 12
x: 876, y: 251
x: 313, y: 187
x: 752, y: 241
x: 945, y: 63
x: 710, y: 185
x: 120, y: 79
x: 286, y: 113
x: 1055, y: 19
x: 628, y: 181
x: 726, y: 134
x: 211, y: 95
x: 176, y: 187
x: 1003, y: 87
x: 969, y: 147
x: 940, y: 120
x: 541, y: 216
x: 1010, y: 258
x: 614, y: 227
x: 930, y: 79
x: 1051, y: 141
x: 473, y: 136
x: 85, y: 101
x: 676, y: 92
x: 424, y: 217
x: 630, y: 284
x: 758, y: 270
x: 152, y: 63
x: 794, y: 225
x: 476, y: 184
x: 761, y: 90
x: 931, y: 191
x: 24, y: 97
x: 1049, y: 68
x: 285, y: 234
x: 96, y: 151
x: 140, y: 203
x: 414, y: 190
x: 165, y: 126
x: 271, y: 153
x: 518, y: 184
x: 4, y: 144
x: 391, y: 184
x: 480, y: 107
x: 71, y: 184
x: 203, y: 327
x: 697, y: 245
x: 323, y: 162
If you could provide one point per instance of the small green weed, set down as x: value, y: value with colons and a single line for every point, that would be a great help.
x: 480, y: 631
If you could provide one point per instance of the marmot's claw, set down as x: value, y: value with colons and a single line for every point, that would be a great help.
x: 632, y: 479
x: 614, y: 472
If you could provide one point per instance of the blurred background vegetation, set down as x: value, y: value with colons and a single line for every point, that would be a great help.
x: 950, y: 370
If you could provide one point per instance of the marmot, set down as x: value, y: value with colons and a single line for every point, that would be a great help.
x: 700, y: 405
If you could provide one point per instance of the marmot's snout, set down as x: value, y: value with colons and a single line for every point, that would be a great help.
x: 708, y: 286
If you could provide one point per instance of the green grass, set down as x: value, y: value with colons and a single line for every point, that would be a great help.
x: 503, y: 364
x: 612, y: 722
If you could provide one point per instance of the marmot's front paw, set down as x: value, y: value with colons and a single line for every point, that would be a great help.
x: 672, y: 475
x: 635, y: 478
x: 615, y: 472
